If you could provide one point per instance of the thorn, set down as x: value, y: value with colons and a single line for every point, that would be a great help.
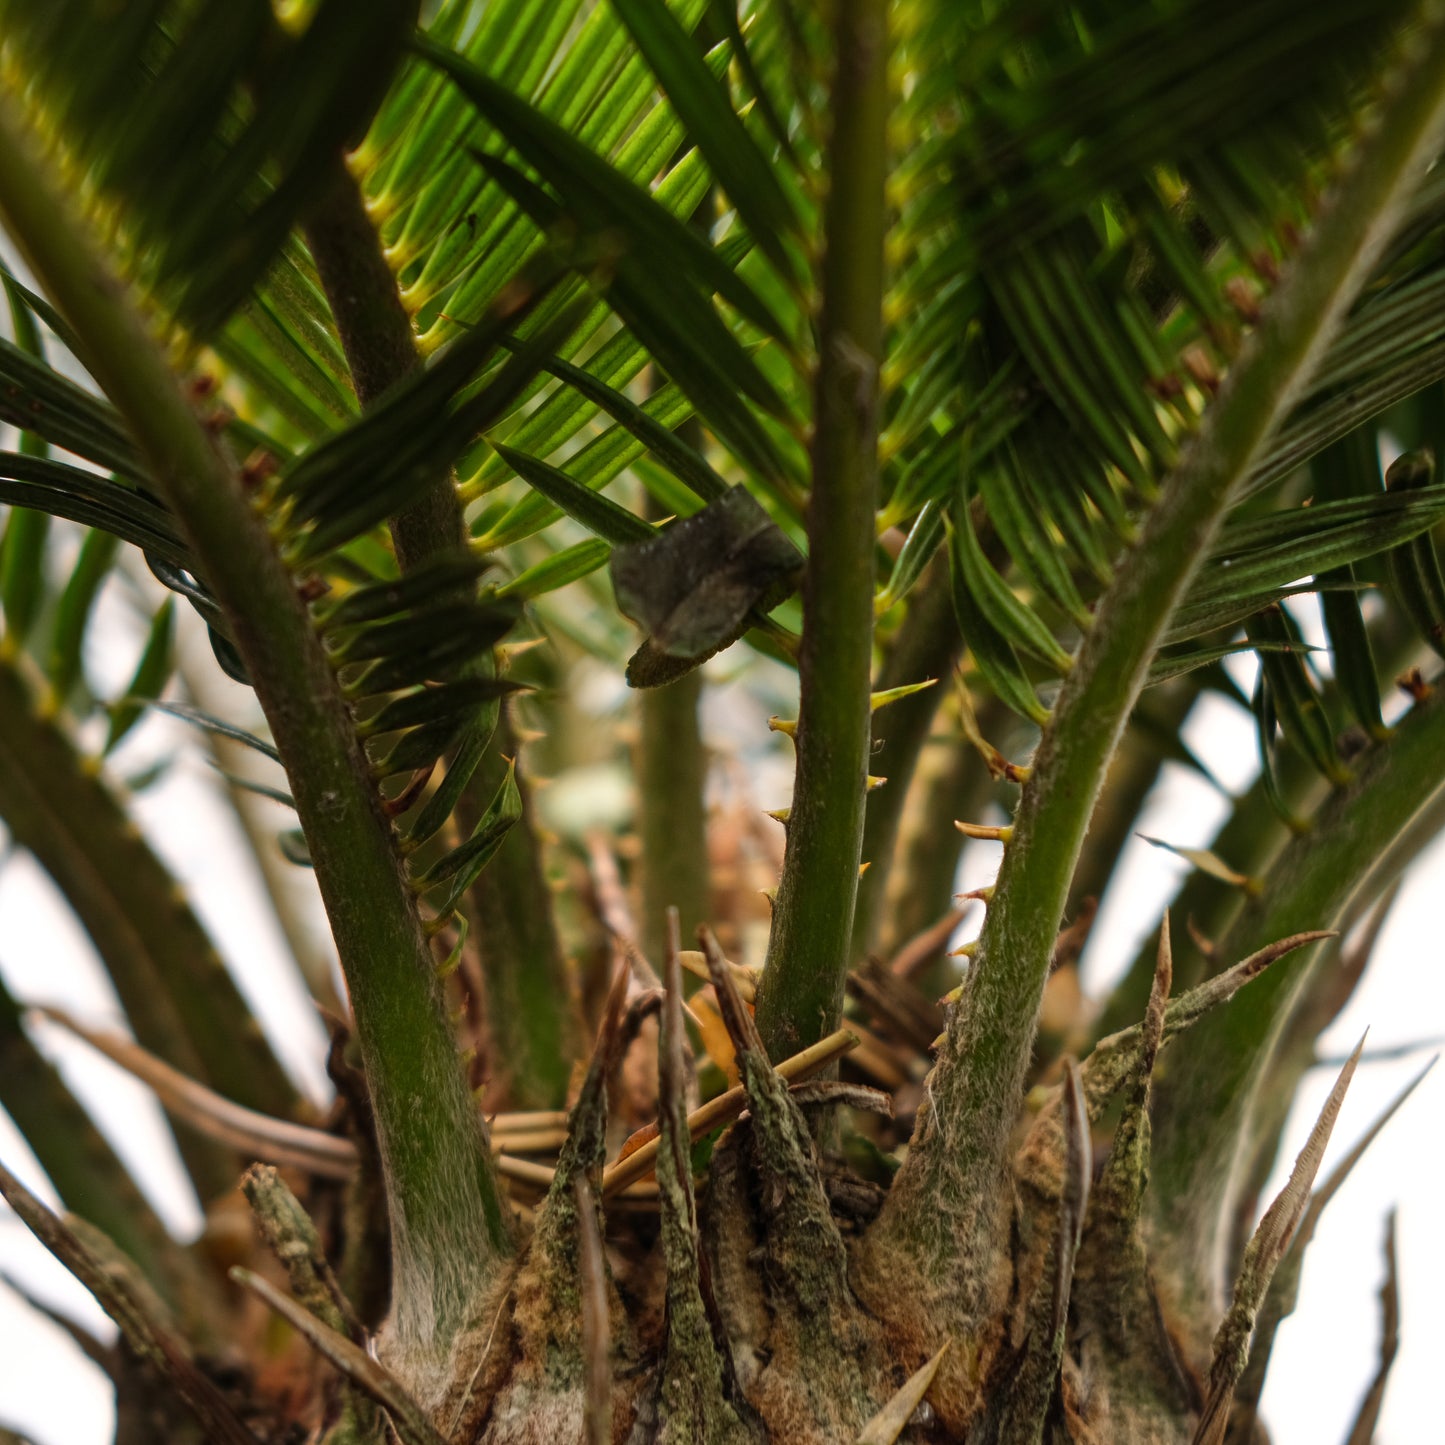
x: 1243, y: 298
x: 887, y: 1425
x: 984, y: 895
x: 509, y: 652
x: 864, y: 867
x: 783, y: 725
x: 896, y: 694
x: 736, y: 1016
x: 395, y: 807
x: 1413, y: 683
x: 1201, y: 368
x: 966, y: 950
x: 1206, y: 946
x: 781, y: 814
x: 258, y: 469
x: 874, y: 783
x: 986, y: 831
x: 1208, y: 862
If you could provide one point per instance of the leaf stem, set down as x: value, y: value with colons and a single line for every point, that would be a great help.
x: 448, y: 1231
x: 380, y: 346
x: 961, y: 1143
x: 533, y: 1026
x: 801, y: 996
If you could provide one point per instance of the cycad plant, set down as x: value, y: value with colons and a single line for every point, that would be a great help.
x: 999, y: 369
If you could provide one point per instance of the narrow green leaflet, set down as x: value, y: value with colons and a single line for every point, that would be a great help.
x: 679, y: 327
x: 22, y: 548
x: 434, y: 704
x: 211, y: 724
x: 569, y: 565
x: 463, y: 865
x: 151, y: 675
x: 594, y: 511
x: 995, y: 599
x: 923, y: 540
x: 438, y: 578
x: 438, y: 808
x: 706, y: 111
x: 1297, y: 702
x: 63, y: 659
x: 990, y: 649
x: 1254, y: 563
x: 42, y: 402
x: 596, y: 189
x: 92, y: 499
x: 685, y: 463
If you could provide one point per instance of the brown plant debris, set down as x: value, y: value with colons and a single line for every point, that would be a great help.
x: 407, y: 1417
x: 138, y: 1314
x: 1362, y: 1432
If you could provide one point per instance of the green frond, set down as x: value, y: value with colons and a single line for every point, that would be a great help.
x: 202, y: 123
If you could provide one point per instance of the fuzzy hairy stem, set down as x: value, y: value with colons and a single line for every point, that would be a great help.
x: 961, y: 1143
x: 1202, y: 1149
x: 448, y: 1230
x: 801, y: 996
x: 286, y: 888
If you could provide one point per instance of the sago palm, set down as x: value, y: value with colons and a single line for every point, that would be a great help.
x: 1040, y: 352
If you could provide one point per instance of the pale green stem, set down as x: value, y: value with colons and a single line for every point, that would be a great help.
x: 801, y: 996
x: 939, y: 1203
